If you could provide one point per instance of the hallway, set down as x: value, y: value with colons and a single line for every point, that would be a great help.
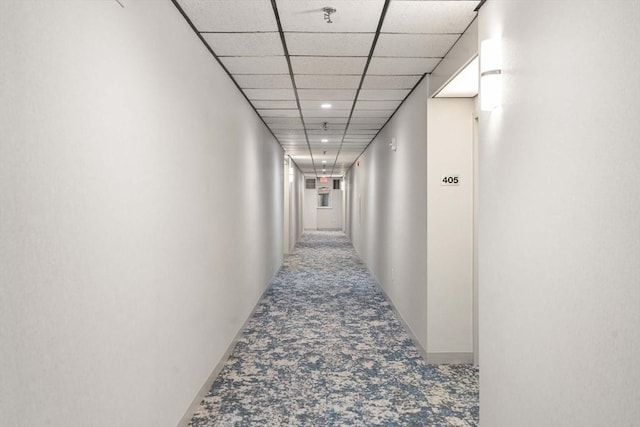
x: 325, y: 348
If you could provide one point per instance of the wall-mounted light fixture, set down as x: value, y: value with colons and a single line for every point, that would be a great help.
x: 490, y: 74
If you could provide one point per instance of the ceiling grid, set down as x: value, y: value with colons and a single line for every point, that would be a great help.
x: 288, y: 61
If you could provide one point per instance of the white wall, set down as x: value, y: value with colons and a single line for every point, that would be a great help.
x: 295, y: 192
x: 124, y: 242
x: 331, y: 218
x: 310, y: 210
x: 465, y: 49
x: 559, y: 224
x: 387, y: 210
x: 450, y: 230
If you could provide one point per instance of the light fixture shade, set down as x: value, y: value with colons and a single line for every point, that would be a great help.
x: 490, y: 74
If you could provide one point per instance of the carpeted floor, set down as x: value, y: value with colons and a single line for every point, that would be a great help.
x: 324, y: 348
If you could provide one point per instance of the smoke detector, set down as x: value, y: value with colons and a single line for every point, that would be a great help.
x: 328, y: 11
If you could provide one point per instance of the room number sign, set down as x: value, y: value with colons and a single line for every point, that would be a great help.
x: 450, y: 180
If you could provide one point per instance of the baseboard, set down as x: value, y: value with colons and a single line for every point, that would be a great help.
x: 460, y: 358
x: 195, y: 404
x: 404, y: 324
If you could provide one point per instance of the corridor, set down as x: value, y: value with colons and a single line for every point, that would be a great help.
x: 324, y: 348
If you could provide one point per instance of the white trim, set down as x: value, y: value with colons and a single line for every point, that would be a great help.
x: 453, y: 358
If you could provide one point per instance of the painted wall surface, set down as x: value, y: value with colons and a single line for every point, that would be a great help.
x: 559, y: 238
x: 387, y: 210
x: 465, y: 49
x: 450, y: 229
x: 125, y: 245
x: 332, y: 218
x: 310, y: 211
x: 296, y: 195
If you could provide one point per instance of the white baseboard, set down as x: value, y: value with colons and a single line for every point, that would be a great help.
x: 459, y: 358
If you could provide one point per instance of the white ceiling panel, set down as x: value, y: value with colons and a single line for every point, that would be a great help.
x: 329, y: 44
x: 429, y: 16
x: 227, y: 15
x: 323, y: 113
x: 327, y: 95
x: 368, y: 120
x: 330, y: 127
x: 372, y: 113
x: 274, y: 104
x: 287, y: 121
x: 361, y: 132
x: 359, y: 16
x: 327, y: 65
x: 283, y: 126
x: 256, y: 65
x: 279, y: 113
x: 270, y: 94
x: 327, y: 81
x: 377, y: 105
x: 245, y: 44
x: 264, y: 81
x: 354, y: 127
x: 390, y: 82
x: 335, y: 105
x: 415, y: 45
x: 395, y: 66
x: 383, y: 94
x: 330, y: 121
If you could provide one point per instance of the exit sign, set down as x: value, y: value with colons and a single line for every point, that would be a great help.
x: 324, y: 179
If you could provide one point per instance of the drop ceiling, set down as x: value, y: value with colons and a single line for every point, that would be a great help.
x: 288, y: 61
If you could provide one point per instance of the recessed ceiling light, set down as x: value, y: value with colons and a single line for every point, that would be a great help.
x: 324, y: 161
x: 325, y: 106
x: 325, y: 140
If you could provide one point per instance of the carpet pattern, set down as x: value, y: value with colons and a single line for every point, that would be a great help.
x: 324, y: 348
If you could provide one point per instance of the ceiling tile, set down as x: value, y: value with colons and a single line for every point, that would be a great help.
x: 354, y: 127
x: 372, y: 113
x: 274, y: 104
x: 324, y: 113
x: 327, y: 65
x: 415, y: 45
x: 263, y: 81
x: 429, y: 16
x: 390, y: 82
x: 377, y: 105
x: 360, y: 16
x: 367, y: 120
x: 279, y: 113
x: 306, y: 81
x: 329, y: 44
x: 330, y: 121
x: 383, y: 94
x: 270, y: 94
x: 256, y: 64
x: 327, y: 95
x: 245, y: 44
x: 356, y: 132
x: 230, y: 15
x: 286, y: 121
x: 336, y: 105
x: 395, y: 66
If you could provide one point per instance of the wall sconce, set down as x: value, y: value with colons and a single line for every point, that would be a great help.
x: 490, y: 74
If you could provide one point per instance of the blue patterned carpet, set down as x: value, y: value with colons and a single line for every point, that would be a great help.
x: 324, y: 348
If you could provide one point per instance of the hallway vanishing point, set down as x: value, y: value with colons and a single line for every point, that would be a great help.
x: 325, y: 348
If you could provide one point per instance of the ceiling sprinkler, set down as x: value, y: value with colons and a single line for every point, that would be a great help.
x: 324, y: 126
x: 327, y: 14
